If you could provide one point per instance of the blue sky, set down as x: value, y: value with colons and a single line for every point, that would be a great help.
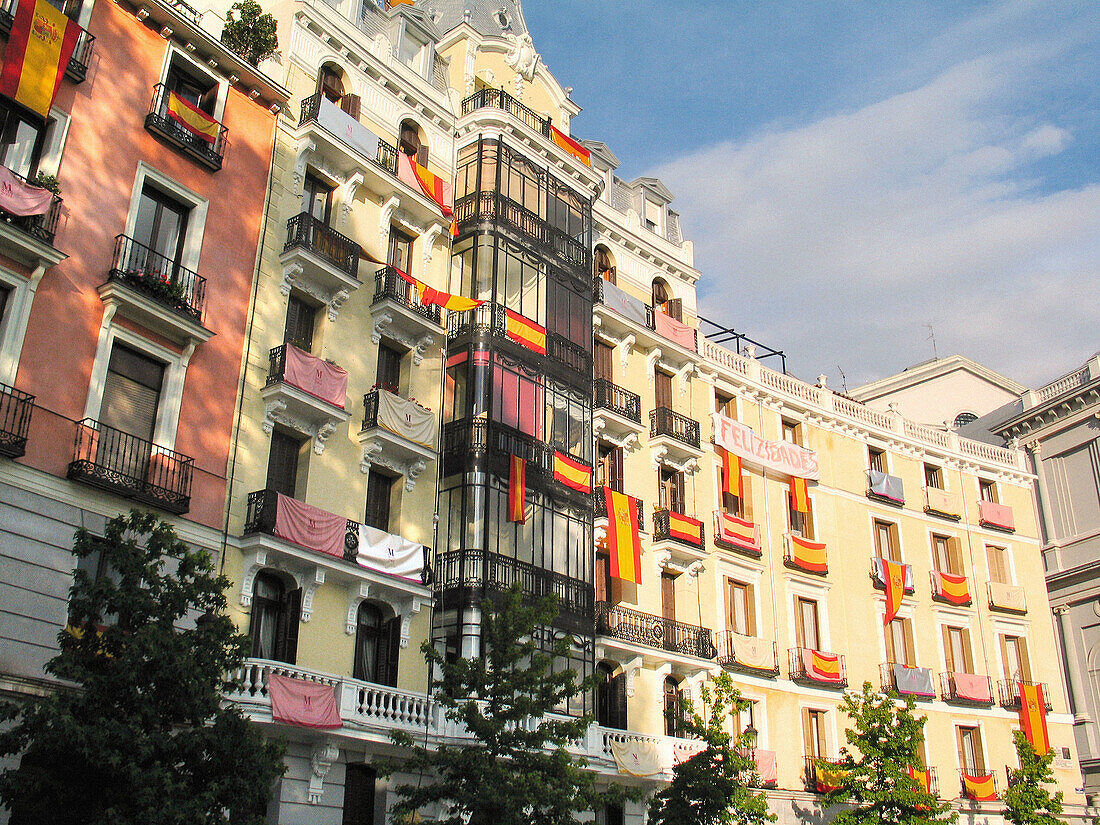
x: 851, y: 172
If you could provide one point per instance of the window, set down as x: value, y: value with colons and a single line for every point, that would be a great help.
x: 670, y: 491
x: 933, y: 477
x: 411, y: 144
x: 807, y: 631
x: 518, y: 397
x: 131, y: 394
x: 602, y: 264
x: 887, y: 545
x: 359, y: 794
x: 377, y: 643
x: 662, y: 389
x: 945, y: 555
x: 608, y: 589
x: 569, y: 313
x: 673, y: 712
x: 997, y: 558
x: 329, y: 83
x: 454, y: 390
x: 610, y: 698
x: 399, y: 254
x: 740, y: 506
x: 603, y: 361
x: 410, y: 52
x: 740, y: 608
x: 956, y: 650
x: 96, y: 566
x: 609, y: 468
x: 964, y: 418
x: 725, y: 404
x: 971, y: 759
x: 388, y: 376
x: 792, y: 432
x: 198, y: 89
x: 21, y: 141
x: 610, y: 814
x: 813, y: 733
x: 160, y: 225
x: 801, y: 524
x: 317, y: 198
x: 379, y: 491
x: 301, y: 319
x: 568, y: 418
x: 745, y: 718
x: 1014, y: 658
x: 899, y: 642
x: 273, y: 625
x: 659, y: 293
x: 876, y: 459
x: 987, y: 490
x: 283, y: 460
x: 651, y: 217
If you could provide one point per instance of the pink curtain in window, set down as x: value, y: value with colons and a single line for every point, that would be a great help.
x: 319, y: 378
x: 310, y: 526
x: 298, y: 702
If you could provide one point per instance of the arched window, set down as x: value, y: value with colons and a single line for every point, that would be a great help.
x: 377, y: 642
x: 610, y: 698
x: 412, y: 143
x: 329, y: 83
x: 273, y: 624
x: 663, y: 300
x: 603, y: 264
x: 660, y: 293
x: 673, y: 713
x: 964, y: 418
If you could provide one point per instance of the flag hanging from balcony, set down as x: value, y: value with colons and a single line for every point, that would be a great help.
x: 800, y: 496
x: 1033, y: 716
x: 923, y: 778
x: 731, y: 472
x: 192, y: 118
x: 735, y: 531
x: 829, y: 777
x: 822, y: 667
x: 809, y: 555
x: 517, y: 489
x: 454, y: 303
x: 571, y: 146
x: 524, y: 331
x: 302, y: 703
x: 892, y: 575
x: 41, y: 43
x: 418, y: 177
x: 685, y: 528
x: 979, y: 788
x: 572, y: 473
x: 949, y: 588
x: 623, y: 540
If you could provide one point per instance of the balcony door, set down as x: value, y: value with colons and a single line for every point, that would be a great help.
x: 317, y: 199
x: 668, y: 609
x: 806, y: 623
x: 160, y: 229
x: 662, y: 390
x: 131, y: 398
x: 601, y: 361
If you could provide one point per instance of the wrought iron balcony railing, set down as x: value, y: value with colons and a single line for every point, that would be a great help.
x: 569, y: 354
x: 599, y: 506
x: 492, y: 206
x: 1009, y: 690
x: 307, y: 232
x: 500, y: 99
x: 818, y: 780
x: 610, y: 396
x: 77, y: 70
x: 132, y: 467
x: 801, y: 672
x: 44, y: 226
x: 654, y: 631
x: 663, y: 421
x: 667, y: 528
x: 386, y: 156
x: 159, y: 277
x: 263, y: 509
x: 976, y: 691
x: 746, y: 654
x: 16, y: 408
x: 208, y: 152
x: 389, y: 284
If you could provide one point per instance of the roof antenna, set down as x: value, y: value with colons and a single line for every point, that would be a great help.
x: 843, y: 379
x: 932, y: 336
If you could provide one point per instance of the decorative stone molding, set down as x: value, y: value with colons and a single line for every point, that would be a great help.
x: 408, y: 608
x: 253, y: 563
x: 347, y: 196
x: 337, y: 302
x: 631, y: 669
x: 599, y: 532
x: 663, y: 560
x: 275, y: 413
x: 522, y: 56
x: 651, y: 363
x: 684, y: 376
x: 428, y: 238
x: 292, y: 273
x: 309, y: 580
x: 385, y: 217
x: 374, y: 455
x: 303, y: 151
x: 358, y: 592
x: 320, y: 762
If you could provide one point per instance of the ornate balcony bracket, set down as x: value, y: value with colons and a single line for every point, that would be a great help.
x: 302, y: 154
x: 684, y: 375
x: 309, y: 580
x: 347, y: 197
x: 661, y: 458
x: 651, y: 363
x: 374, y: 453
x: 384, y: 326
x: 275, y: 412
x: 428, y: 238
x: 320, y: 762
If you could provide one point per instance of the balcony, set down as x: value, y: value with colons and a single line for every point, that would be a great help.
x: 669, y: 635
x: 747, y: 654
x: 736, y: 534
x: 996, y: 516
x: 822, y: 775
x: 397, y: 313
x: 131, y: 467
x: 398, y: 434
x: 907, y: 681
x: 621, y: 316
x: 980, y: 787
x: 930, y: 782
x: 885, y: 488
x: 500, y: 99
x: 319, y: 261
x: 879, y: 582
x: 616, y: 413
x: 304, y: 393
x: 1009, y: 693
x: 16, y: 408
x: 942, y: 503
x: 674, y: 438
x: 206, y: 149
x: 473, y: 575
x: 29, y: 238
x: 804, y: 555
x: 678, y: 536
x: 599, y: 508
x: 966, y: 689
x: 950, y: 589
x: 77, y: 69
x: 817, y: 668
x: 1007, y: 598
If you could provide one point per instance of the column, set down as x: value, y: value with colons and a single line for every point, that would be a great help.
x: 1072, y: 667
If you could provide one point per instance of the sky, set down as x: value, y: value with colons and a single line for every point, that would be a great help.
x: 857, y: 177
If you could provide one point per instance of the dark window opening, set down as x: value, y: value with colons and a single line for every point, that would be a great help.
x: 377, y: 643
x: 388, y: 376
x: 282, y: 462
x: 21, y: 139
x: 199, y: 91
x: 610, y: 698
x: 273, y: 625
x: 317, y: 198
x: 161, y: 227
x: 301, y: 318
x: 411, y: 144
x: 379, y: 490
x: 131, y: 395
x: 359, y: 794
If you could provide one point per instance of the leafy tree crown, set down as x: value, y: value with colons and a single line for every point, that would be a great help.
x: 1027, y: 802
x: 250, y: 32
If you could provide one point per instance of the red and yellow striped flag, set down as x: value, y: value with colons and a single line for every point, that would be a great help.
x: 824, y: 666
x: 923, y: 778
x: 892, y: 574
x: 524, y: 331
x: 623, y: 541
x: 1033, y: 716
x: 809, y: 555
x: 829, y: 777
x: 952, y: 589
x: 192, y: 118
x: 517, y: 489
x: 572, y: 473
x: 435, y: 188
x: 455, y: 303
x: 736, y: 531
x: 571, y: 146
x: 979, y: 788
x: 731, y: 472
x: 685, y: 528
x: 41, y: 43
x: 800, y: 497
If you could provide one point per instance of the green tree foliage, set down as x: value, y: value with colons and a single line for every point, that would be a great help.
x: 711, y: 788
x: 514, y: 768
x: 887, y: 735
x: 250, y: 32
x: 1027, y: 802
x: 141, y: 736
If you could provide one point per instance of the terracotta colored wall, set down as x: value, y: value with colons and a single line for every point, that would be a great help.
x: 106, y: 141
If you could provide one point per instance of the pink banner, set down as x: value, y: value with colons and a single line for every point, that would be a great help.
x: 310, y: 526
x: 673, y: 330
x: 997, y: 515
x: 781, y: 456
x: 968, y: 686
x: 319, y: 378
x: 298, y: 702
x: 19, y: 198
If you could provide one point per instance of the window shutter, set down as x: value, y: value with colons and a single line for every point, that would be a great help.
x: 948, y: 651
x: 968, y: 655
x: 131, y: 393
x: 389, y: 644
x: 603, y: 576
x: 675, y: 309
x: 679, y: 496
x: 299, y: 324
x: 1025, y: 662
x: 282, y: 463
x: 618, y: 701
x: 809, y: 741
x: 910, y: 655
x: 286, y: 645
x: 603, y: 361
x: 351, y: 105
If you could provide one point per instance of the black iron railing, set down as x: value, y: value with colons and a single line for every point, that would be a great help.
x: 654, y: 631
x: 500, y: 99
x: 663, y: 530
x: 307, y: 232
x: 478, y: 573
x: 728, y: 643
x: 816, y: 783
x: 159, y: 277
x: 461, y: 438
x: 209, y: 152
x: 612, y: 397
x: 388, y: 284
x: 949, y: 691
x: 599, y: 507
x: 263, y: 509
x: 967, y: 793
x: 493, y: 206
x: 663, y: 421
x: 1009, y: 690
x: 43, y: 226
x: 77, y: 69
x: 568, y: 354
x: 132, y: 467
x: 483, y: 318
x: 800, y: 673
x: 16, y: 408
x: 386, y: 156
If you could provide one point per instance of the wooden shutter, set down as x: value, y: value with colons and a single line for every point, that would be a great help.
x: 675, y: 309
x: 678, y: 495
x: 1025, y: 661
x: 389, y: 649
x: 286, y: 641
x: 603, y: 577
x: 388, y: 376
x: 668, y: 596
x: 948, y: 649
x: 618, y: 701
x: 602, y: 361
x: 998, y: 570
x: 131, y: 393
x: 282, y: 463
x: 351, y: 105
x: 299, y: 324
x: 377, y: 513
x: 662, y: 389
x: 616, y: 467
x: 954, y: 557
x: 910, y: 647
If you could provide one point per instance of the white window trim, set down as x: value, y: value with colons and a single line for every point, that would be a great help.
x: 832, y: 740
x: 960, y: 620
x: 13, y: 326
x: 760, y: 717
x: 53, y: 147
x: 971, y: 723
x: 750, y: 575
x: 196, y: 218
x: 173, y: 54
x: 875, y: 519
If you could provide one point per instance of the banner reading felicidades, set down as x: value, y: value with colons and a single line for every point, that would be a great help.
x: 781, y: 456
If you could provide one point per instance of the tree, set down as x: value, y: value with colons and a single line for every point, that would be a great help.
x: 514, y: 768
x: 878, y: 784
x: 1027, y: 802
x: 252, y: 35
x: 141, y: 736
x: 711, y: 787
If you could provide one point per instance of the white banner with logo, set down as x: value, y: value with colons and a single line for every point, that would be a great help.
x: 389, y: 553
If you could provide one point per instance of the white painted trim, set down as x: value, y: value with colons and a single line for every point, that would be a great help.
x: 196, y: 218
x: 174, y: 54
x: 13, y: 324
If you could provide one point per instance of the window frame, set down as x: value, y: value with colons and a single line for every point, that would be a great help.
x: 800, y: 524
x: 877, y: 455
x: 174, y: 56
x: 893, y: 539
x: 191, y: 246
x: 933, y: 476
x: 732, y: 586
x: 977, y: 746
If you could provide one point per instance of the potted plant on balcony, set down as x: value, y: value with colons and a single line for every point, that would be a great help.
x: 159, y: 285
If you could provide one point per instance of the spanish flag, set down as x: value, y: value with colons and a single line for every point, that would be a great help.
x: 193, y: 119
x: 417, y: 176
x: 455, y: 303
x: 800, y: 498
x: 517, y: 489
x: 809, y: 555
x: 823, y: 667
x: 41, y: 43
x: 572, y: 473
x: 731, y: 472
x: 829, y: 777
x: 524, y: 331
x: 736, y: 531
x: 949, y: 588
x: 571, y: 146
x: 623, y: 540
x: 685, y: 528
x: 923, y: 778
x: 1033, y: 716
x: 892, y: 574
x: 979, y: 788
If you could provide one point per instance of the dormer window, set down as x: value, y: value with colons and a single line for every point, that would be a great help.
x: 652, y: 216
x: 411, y: 52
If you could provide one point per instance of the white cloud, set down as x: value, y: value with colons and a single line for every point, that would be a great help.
x: 844, y: 237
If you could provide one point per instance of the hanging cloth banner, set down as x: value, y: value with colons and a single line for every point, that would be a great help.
x: 949, y: 588
x: 751, y: 651
x: 302, y: 703
x: 572, y: 473
x: 780, y: 456
x: 636, y: 757
x: 571, y: 146
x: 942, y: 501
x: 974, y: 688
x: 979, y: 788
x: 992, y: 514
x: 455, y: 303
x: 20, y: 198
x: 809, y: 555
x: 685, y: 528
x: 829, y: 777
x: 731, y: 473
x: 517, y: 489
x: 390, y: 553
x: 315, y: 376
x: 766, y: 768
x: 1033, y: 716
x: 310, y: 526
x: 41, y: 43
x: 406, y: 419
x: 800, y: 496
x: 913, y: 681
x: 892, y: 574
x: 348, y: 128
x: 419, y: 178
x: 192, y: 119
x: 923, y: 778
x: 887, y: 486
x: 735, y: 531
x: 525, y: 332
x: 623, y: 303
x: 623, y: 540
x: 821, y: 667
x: 675, y: 331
